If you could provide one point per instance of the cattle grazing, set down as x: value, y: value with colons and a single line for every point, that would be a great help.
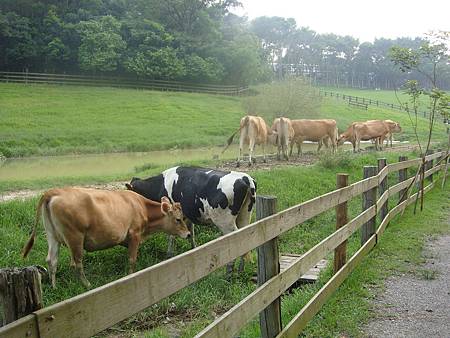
x: 316, y: 131
x: 253, y: 131
x: 282, y: 126
x: 222, y: 198
x: 93, y: 219
x: 365, y: 131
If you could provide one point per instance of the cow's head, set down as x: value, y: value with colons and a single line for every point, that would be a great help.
x: 341, y: 139
x: 272, y: 137
x: 174, y: 223
x: 396, y: 128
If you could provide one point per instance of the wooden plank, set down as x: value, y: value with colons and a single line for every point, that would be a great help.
x: 340, y: 253
x: 434, y: 155
x: 299, y: 322
x: 25, y: 327
x: 133, y: 293
x: 399, y: 186
x: 234, y: 319
x: 311, y: 276
x: 393, y: 167
x: 268, y: 267
x: 368, y: 200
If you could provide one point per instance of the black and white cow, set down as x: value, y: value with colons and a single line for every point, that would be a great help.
x: 207, y: 196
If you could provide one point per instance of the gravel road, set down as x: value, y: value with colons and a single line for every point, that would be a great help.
x: 417, y: 305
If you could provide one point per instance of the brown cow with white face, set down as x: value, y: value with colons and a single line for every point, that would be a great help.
x: 93, y: 219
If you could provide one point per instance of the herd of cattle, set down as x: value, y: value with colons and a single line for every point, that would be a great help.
x: 172, y: 202
x: 285, y: 132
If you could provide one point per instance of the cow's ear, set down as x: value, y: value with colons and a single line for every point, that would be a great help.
x: 128, y: 186
x: 165, y: 207
x: 165, y: 199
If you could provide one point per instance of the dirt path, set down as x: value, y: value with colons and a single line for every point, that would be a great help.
x: 417, y: 305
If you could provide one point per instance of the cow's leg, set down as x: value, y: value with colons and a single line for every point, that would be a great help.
x: 133, y: 246
x: 226, y: 224
x: 76, y: 248
x: 291, y: 147
x: 242, y: 220
x: 299, y: 148
x: 52, y: 257
x: 191, y: 229
x: 170, y: 245
x: 264, y: 152
x: 251, y: 147
x: 320, y: 145
x: 241, y: 146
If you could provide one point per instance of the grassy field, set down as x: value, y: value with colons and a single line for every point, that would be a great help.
x: 194, y: 307
x: 52, y: 120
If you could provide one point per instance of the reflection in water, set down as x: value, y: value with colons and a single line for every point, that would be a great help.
x: 111, y: 163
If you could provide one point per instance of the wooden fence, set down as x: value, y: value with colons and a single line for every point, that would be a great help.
x: 363, y: 102
x: 91, y: 312
x: 121, y: 82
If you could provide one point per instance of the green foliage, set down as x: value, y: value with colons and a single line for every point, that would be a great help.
x: 101, y: 44
x: 293, y: 98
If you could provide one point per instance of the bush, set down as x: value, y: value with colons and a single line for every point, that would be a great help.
x: 293, y: 98
x: 341, y: 159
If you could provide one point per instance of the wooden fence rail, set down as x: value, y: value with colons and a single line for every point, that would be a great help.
x: 122, y: 82
x: 84, y: 315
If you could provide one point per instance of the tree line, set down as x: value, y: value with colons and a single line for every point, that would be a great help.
x: 186, y: 40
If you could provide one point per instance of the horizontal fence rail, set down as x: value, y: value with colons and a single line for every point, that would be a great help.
x: 135, y: 292
x: 121, y: 82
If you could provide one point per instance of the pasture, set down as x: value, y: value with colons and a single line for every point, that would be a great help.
x: 192, y: 308
x: 51, y: 120
x: 56, y: 120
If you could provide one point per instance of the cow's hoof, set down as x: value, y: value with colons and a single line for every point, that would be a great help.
x: 238, y: 164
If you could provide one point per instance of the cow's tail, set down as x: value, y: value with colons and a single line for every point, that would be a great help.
x: 43, y: 201
x: 230, y: 139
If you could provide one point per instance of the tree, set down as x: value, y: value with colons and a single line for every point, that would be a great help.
x: 101, y: 44
x: 425, y: 60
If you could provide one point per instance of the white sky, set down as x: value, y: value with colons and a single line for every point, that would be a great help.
x: 365, y: 20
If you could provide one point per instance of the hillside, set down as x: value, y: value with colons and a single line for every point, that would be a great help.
x: 51, y: 120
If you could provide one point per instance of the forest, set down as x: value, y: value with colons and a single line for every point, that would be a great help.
x: 189, y: 40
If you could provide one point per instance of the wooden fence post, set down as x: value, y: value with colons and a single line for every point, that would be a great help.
x: 369, y: 199
x: 268, y: 266
x: 20, y: 293
x: 402, y: 175
x: 429, y: 164
x: 340, y: 253
x: 382, y: 162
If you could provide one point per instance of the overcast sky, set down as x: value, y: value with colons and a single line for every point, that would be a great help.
x: 365, y: 20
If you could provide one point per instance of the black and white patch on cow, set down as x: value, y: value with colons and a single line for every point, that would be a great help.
x: 207, y: 196
x: 223, y: 198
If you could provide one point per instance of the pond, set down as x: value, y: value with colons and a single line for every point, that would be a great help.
x: 111, y: 163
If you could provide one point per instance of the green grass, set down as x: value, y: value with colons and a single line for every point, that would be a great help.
x: 53, y: 120
x: 195, y: 306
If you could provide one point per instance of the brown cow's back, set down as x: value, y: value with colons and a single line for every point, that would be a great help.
x: 104, y: 216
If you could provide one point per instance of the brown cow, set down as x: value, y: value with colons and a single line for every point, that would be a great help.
x: 93, y: 219
x: 365, y: 131
x: 314, y: 130
x: 282, y: 126
x: 253, y: 131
